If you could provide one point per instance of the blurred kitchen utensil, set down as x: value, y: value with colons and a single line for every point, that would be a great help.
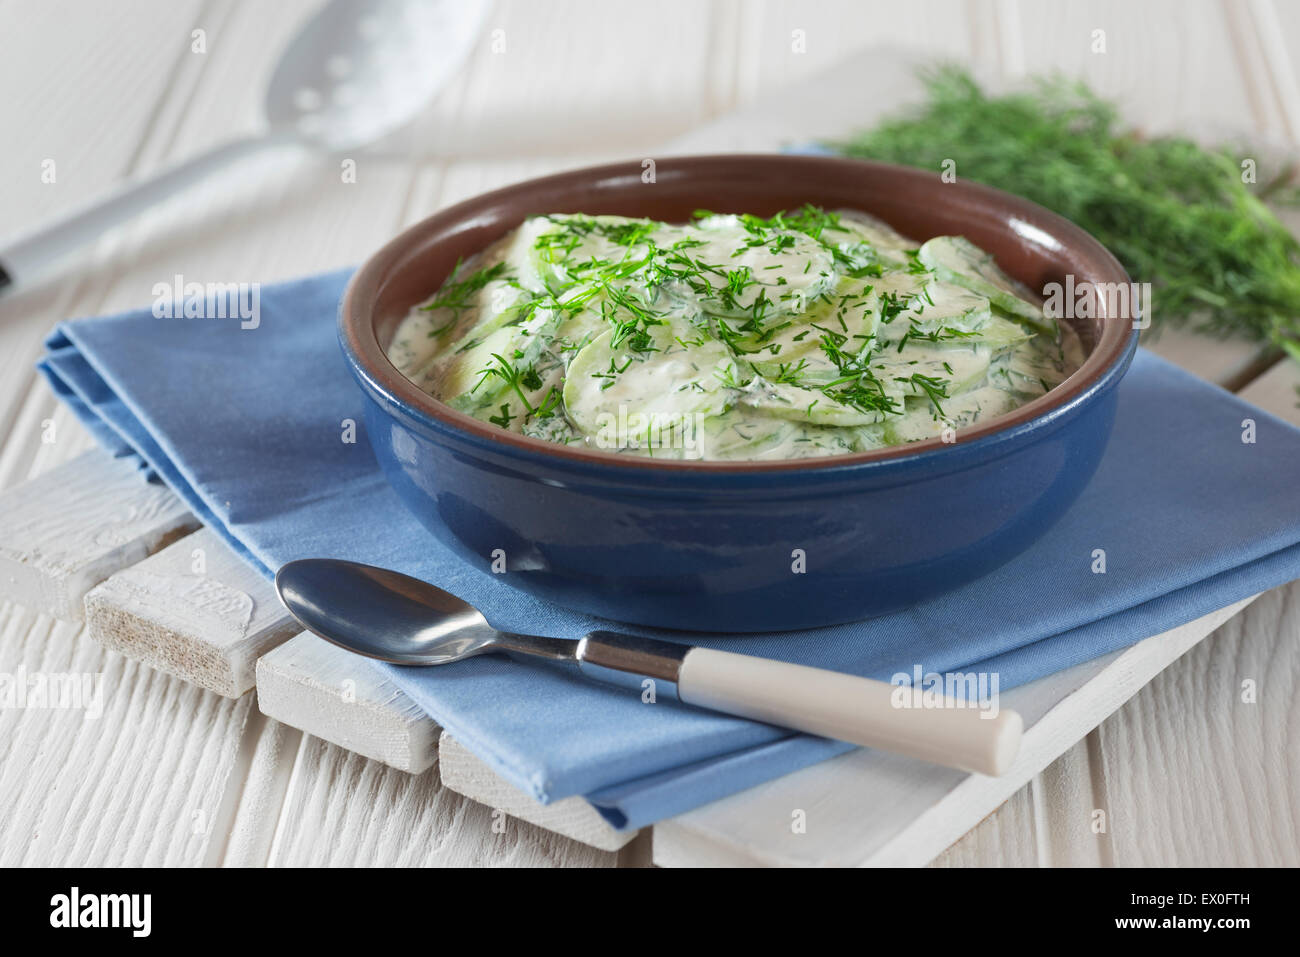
x: 354, y: 72
x: 393, y: 617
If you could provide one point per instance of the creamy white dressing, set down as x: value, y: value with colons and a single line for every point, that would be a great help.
x: 733, y: 337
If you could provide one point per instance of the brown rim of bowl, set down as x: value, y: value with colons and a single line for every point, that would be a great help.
x: 1022, y: 231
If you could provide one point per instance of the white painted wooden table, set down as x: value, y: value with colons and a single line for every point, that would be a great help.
x: 1185, y: 772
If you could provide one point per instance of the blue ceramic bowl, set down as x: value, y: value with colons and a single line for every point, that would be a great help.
x: 726, y: 546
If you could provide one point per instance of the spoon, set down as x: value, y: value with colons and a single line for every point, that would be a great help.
x: 386, y: 615
x: 353, y: 73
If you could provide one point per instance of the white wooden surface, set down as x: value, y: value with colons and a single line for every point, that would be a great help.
x: 573, y: 817
x: 309, y: 683
x: 66, y: 531
x: 175, y: 774
x: 194, y: 610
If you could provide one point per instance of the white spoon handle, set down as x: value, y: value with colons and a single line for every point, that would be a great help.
x: 27, y: 258
x: 849, y: 708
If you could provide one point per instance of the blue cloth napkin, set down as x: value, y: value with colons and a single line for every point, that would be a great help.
x: 247, y: 425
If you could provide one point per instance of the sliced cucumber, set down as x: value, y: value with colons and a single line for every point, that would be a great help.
x: 896, y: 291
x: 742, y: 429
x: 819, y: 440
x: 957, y: 368
x: 739, y: 280
x: 465, y: 383
x: 566, y: 249
x: 759, y: 435
x: 957, y: 260
x: 788, y: 401
x: 890, y: 247
x: 482, y: 373
x: 998, y: 334
x: 499, y: 304
x: 848, y: 317
x: 520, y: 250
x: 943, y: 305
x: 1033, y: 370
x: 611, y: 387
x: 982, y: 403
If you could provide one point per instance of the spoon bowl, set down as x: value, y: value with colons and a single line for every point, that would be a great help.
x: 382, y: 614
x: 358, y: 71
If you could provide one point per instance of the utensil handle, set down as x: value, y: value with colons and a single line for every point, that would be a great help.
x: 848, y: 708
x: 28, y: 257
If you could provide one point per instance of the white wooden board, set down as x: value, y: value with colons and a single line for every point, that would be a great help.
x: 573, y: 817
x: 150, y: 776
x: 194, y: 610
x: 1165, y: 805
x: 331, y: 693
x: 1278, y: 391
x: 344, y: 810
x: 62, y: 534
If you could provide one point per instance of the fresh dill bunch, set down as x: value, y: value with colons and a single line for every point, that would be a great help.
x: 1176, y: 214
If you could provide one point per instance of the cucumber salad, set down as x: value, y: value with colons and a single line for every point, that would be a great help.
x: 732, y: 337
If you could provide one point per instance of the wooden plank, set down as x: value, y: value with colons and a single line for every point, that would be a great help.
x: 335, y: 695
x: 269, y: 748
x: 344, y: 810
x: 311, y: 684
x: 1200, y: 769
x: 145, y: 779
x: 1221, y: 361
x: 640, y: 852
x: 782, y: 43
x: 1067, y: 799
x: 1277, y: 391
x: 45, y: 434
x: 1266, y: 33
x: 63, y: 533
x: 801, y: 113
x: 1050, y: 822
x: 194, y: 610
x: 97, y: 100
x: 1164, y: 61
x: 98, y: 103
x: 573, y: 817
x: 498, y: 103
x: 916, y: 810
x: 1005, y: 839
